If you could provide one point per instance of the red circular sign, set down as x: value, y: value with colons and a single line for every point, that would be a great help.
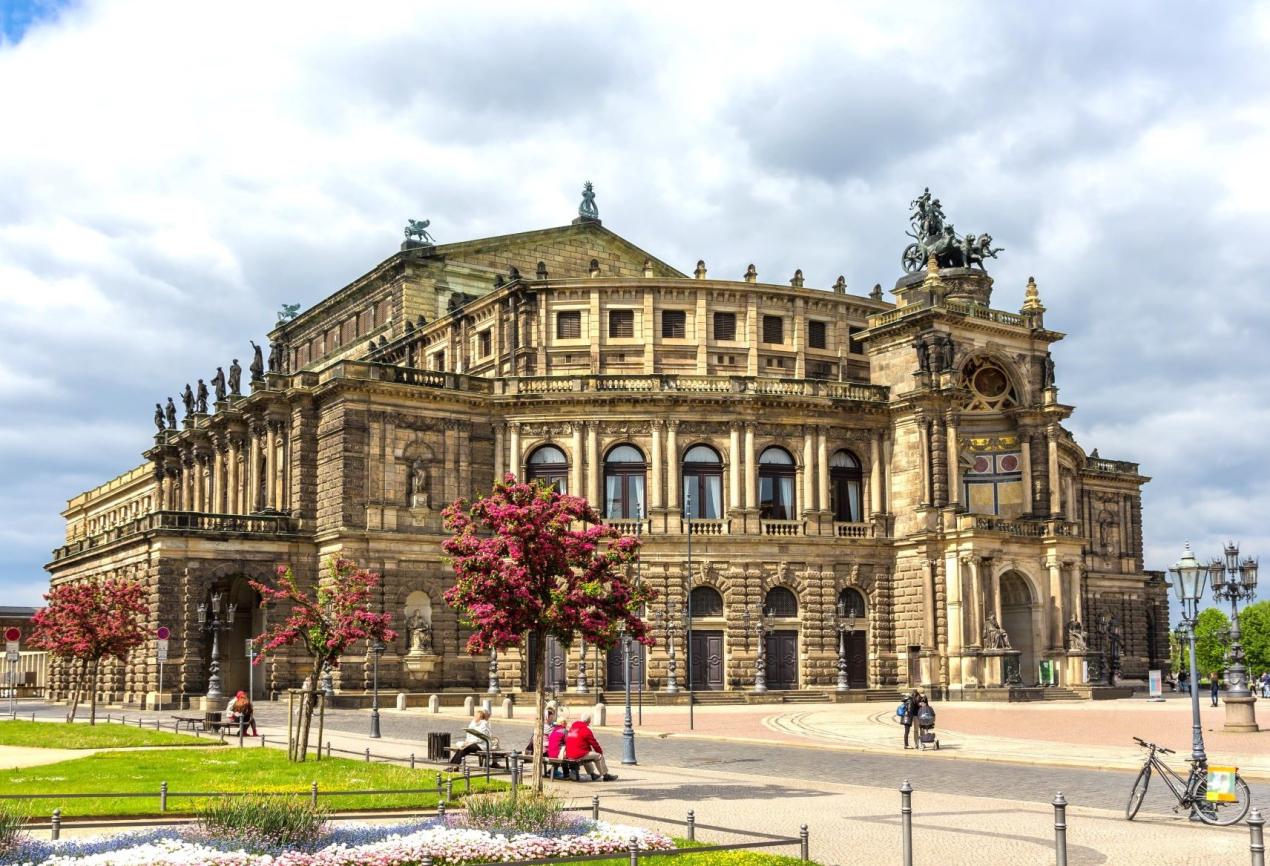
x: 12, y: 633
x: 163, y: 633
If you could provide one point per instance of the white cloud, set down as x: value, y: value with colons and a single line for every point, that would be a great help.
x: 170, y: 174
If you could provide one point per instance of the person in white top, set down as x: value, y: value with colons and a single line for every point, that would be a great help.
x: 479, y: 738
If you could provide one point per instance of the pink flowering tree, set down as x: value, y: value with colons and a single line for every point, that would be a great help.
x: 532, y: 562
x: 326, y: 622
x: 86, y: 621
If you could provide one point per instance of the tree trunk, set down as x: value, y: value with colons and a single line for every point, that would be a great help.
x: 307, y: 700
x: 540, y: 695
x: 92, y: 698
x: 77, y: 685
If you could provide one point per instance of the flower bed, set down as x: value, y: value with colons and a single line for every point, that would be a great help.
x: 398, y: 844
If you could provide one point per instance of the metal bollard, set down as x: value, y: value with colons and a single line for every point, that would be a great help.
x: 313, y: 793
x: 425, y: 861
x: 449, y: 789
x: 412, y: 761
x: 595, y: 808
x: 139, y: 721
x: 262, y: 741
x: 1060, y: 830
x: 441, y: 810
x: 692, y: 826
x: 804, y: 843
x: 156, y: 724
x: 438, y: 784
x: 633, y: 848
x: 328, y: 748
x: 163, y: 796
x: 1257, y: 843
x: 55, y: 826
x: 906, y: 822
x: 467, y: 779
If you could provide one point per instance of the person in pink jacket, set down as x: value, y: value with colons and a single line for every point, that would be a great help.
x: 580, y: 745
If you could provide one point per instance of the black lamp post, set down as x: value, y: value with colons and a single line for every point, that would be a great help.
x: 1235, y: 581
x: 668, y: 622
x: 1188, y: 580
x: 494, y: 686
x: 209, y: 620
x: 376, y: 650
x: 761, y: 626
x: 845, y: 622
x: 628, y: 729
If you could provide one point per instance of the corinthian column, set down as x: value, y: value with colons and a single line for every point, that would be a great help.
x: 734, y: 468
x: 1056, y: 491
x: 594, y: 475
x: 655, y: 469
x: 575, y: 465
x: 672, y: 468
x: 822, y: 466
x: 806, y: 485
x: 751, y: 491
x: 233, y: 501
x: 499, y: 447
x: 271, y: 463
x: 875, y: 475
x: 513, y: 457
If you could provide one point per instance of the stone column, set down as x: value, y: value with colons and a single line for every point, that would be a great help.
x: 1055, y: 490
x: 251, y: 501
x: 279, y: 494
x: 1029, y: 496
x: 734, y: 467
x: 822, y: 466
x: 975, y: 613
x: 875, y: 475
x: 939, y: 463
x: 594, y: 475
x: 806, y: 484
x: 576, y: 464
x: 233, y: 499
x: 499, y: 445
x: 995, y: 578
x: 954, y: 459
x: 1078, y: 597
x: 931, y: 643
x: 187, y: 480
x: 923, y: 436
x: 1056, y: 605
x: 751, y: 489
x: 271, y: 463
x: 513, y: 457
x: 672, y: 468
x: 655, y: 469
x: 200, y: 480
x: 956, y: 610
x: 451, y: 481
x: 465, y: 459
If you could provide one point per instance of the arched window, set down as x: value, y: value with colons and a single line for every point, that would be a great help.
x: 624, y: 469
x: 845, y: 479
x: 703, y: 483
x: 776, y: 484
x: 851, y: 603
x: 706, y: 601
x: 781, y: 602
x: 549, y: 464
x: 987, y: 387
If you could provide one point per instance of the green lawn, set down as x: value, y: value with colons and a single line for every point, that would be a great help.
x: 207, y: 770
x: 60, y: 735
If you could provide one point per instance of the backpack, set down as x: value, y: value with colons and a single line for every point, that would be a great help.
x: 902, y: 710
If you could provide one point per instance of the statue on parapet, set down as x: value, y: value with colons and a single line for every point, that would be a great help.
x: 994, y: 636
x: 187, y: 398
x: 276, y: 357
x: 587, y: 210
x: 169, y: 413
x: 1047, y: 371
x: 235, y: 379
x: 934, y: 236
x: 257, y: 362
x: 200, y: 398
x: 158, y: 417
x: 287, y: 313
x: 417, y: 233
x: 218, y: 383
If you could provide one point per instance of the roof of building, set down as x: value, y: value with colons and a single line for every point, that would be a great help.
x: 17, y: 612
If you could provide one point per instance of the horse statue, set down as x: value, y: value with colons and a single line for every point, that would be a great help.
x: 975, y: 250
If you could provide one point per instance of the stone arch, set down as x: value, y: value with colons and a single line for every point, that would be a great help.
x: 707, y: 601
x: 969, y: 375
x: 1021, y: 617
x: 783, y: 602
x: 417, y: 620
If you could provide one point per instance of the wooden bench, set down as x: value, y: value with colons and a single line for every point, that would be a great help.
x: 494, y: 755
x: 568, y: 768
x: 205, y: 724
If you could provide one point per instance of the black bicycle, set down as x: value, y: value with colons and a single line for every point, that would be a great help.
x: 1191, y: 792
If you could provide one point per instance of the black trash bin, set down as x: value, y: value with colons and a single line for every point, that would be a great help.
x: 438, y: 746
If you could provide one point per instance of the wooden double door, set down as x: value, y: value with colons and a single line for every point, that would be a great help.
x: 782, y: 660
x: 557, y: 672
x: 856, y: 647
x: 615, y: 666
x: 707, y: 660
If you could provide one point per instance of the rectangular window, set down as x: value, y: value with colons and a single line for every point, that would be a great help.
x: 438, y: 362
x: 673, y: 324
x: 773, y: 329
x: 348, y: 331
x: 816, y: 335
x: 725, y: 326
x: 384, y: 311
x: 854, y: 346
x: 622, y: 323
x: 484, y: 344
x: 569, y: 325
x: 819, y: 370
x: 332, y: 339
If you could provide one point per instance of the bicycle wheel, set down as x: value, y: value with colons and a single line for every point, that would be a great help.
x: 1139, y: 793
x: 1223, y: 814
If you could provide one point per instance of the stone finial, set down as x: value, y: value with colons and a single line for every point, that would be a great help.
x: 840, y: 285
x: 541, y: 273
x: 797, y: 280
x: 595, y: 268
x: 876, y: 294
x: 700, y: 272
x: 1032, y: 296
x: 648, y: 267
x: 932, y: 265
x: 751, y: 274
x: 587, y: 211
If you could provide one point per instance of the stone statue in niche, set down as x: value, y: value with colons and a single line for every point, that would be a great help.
x: 923, y: 354
x: 1047, y: 371
x: 994, y: 636
x: 417, y: 484
x: 420, y: 631
x: 1076, y: 640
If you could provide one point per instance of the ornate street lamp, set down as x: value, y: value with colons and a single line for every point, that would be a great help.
x: 668, y: 622
x: 763, y: 623
x: 582, y: 688
x: 376, y: 650
x: 628, y: 729
x: 845, y: 622
x: 215, y: 625
x: 1188, y: 581
x: 1235, y: 581
x: 494, y: 686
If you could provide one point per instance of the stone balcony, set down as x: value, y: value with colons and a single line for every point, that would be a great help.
x: 1018, y: 528
x: 671, y: 383
x: 184, y: 522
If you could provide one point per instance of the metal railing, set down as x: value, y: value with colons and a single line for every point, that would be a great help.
x: 184, y: 521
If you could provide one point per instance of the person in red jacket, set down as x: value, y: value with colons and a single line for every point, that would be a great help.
x: 580, y: 745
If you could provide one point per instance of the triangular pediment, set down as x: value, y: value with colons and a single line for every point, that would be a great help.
x: 567, y: 252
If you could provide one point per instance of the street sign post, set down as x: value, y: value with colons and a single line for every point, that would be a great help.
x: 12, y: 636
x: 251, y: 670
x: 162, y: 634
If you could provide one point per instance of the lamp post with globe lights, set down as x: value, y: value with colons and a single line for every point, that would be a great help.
x: 1235, y: 580
x: 844, y: 620
x: 1189, y: 577
x: 215, y: 625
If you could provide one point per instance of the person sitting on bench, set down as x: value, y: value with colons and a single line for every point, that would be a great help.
x: 580, y: 745
x: 479, y: 738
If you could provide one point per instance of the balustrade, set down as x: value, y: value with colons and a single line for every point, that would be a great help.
x: 781, y: 527
x: 853, y: 530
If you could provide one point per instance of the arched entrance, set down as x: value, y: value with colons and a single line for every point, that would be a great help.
x: 854, y: 638
x: 235, y: 671
x: 1020, y: 617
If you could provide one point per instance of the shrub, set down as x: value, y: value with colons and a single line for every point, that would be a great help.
x: 265, y: 824
x: 528, y: 813
x: 11, y: 834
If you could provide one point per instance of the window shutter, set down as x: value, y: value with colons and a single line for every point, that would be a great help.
x: 773, y: 329
x: 622, y: 323
x: 673, y: 323
x: 569, y: 325
x: 816, y: 335
x: 725, y: 326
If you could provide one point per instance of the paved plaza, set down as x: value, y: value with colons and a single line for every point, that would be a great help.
x: 838, y: 769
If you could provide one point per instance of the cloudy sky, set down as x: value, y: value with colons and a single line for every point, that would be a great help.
x: 170, y: 173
